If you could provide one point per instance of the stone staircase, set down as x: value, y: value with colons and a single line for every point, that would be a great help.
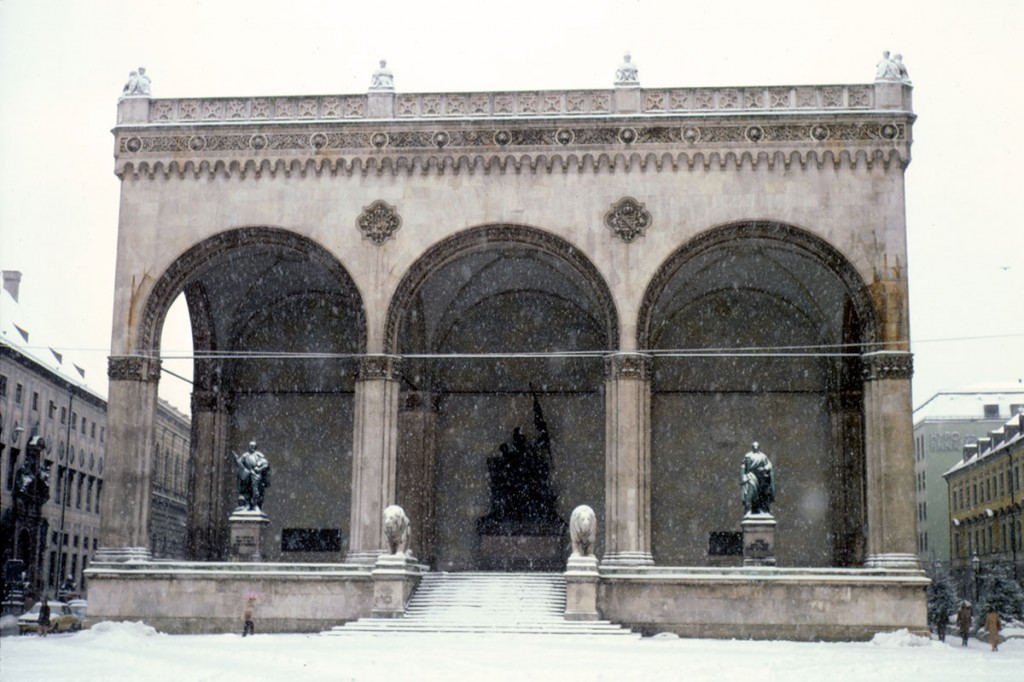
x: 485, y: 603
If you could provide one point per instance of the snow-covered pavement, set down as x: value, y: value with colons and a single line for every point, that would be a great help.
x: 131, y: 651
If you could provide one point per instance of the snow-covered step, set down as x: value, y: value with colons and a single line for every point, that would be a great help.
x: 485, y: 603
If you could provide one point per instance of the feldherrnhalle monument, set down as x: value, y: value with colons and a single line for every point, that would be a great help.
x: 384, y: 286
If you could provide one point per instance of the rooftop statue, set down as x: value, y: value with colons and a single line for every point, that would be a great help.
x: 383, y: 79
x: 757, y: 482
x: 138, y: 84
x: 627, y: 73
x: 891, y: 69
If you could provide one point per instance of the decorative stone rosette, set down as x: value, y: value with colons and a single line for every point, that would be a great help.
x: 627, y: 219
x: 378, y: 222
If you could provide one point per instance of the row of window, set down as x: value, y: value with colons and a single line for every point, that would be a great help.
x: 73, y: 571
x: 979, y: 491
x: 992, y: 539
x: 91, y: 429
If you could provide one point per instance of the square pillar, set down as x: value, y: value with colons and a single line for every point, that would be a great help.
x: 889, y: 454
x: 374, y: 453
x: 128, y: 476
x: 628, y: 460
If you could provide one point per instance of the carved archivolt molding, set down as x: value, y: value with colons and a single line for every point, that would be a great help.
x: 814, y: 246
x: 628, y: 219
x: 888, y: 365
x: 133, y: 368
x: 378, y: 222
x: 486, y: 236
x: 209, y: 251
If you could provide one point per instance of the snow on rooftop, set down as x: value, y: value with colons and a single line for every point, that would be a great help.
x: 30, y: 335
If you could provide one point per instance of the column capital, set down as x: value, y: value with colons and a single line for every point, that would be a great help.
x: 628, y: 366
x: 388, y: 367
x: 887, y: 364
x: 133, y: 368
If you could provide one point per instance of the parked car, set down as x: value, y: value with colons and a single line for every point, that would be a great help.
x: 62, y: 618
x: 78, y: 607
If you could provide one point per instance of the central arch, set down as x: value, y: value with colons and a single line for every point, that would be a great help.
x: 482, y: 319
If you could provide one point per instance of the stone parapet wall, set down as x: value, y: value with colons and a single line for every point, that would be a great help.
x: 192, y: 598
x: 764, y: 603
x: 513, y: 104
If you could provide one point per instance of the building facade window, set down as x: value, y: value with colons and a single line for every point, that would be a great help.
x: 35, y: 401
x: 18, y: 391
x: 3, y: 385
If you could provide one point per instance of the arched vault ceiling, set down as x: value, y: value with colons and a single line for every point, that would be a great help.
x: 757, y: 267
x: 462, y: 285
x: 251, y: 280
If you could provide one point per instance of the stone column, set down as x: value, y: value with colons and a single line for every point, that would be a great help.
x: 889, y: 454
x: 417, y: 425
x: 210, y: 499
x: 374, y: 450
x: 628, y: 460
x: 128, y: 473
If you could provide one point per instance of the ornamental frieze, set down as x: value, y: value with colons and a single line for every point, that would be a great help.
x: 507, y: 137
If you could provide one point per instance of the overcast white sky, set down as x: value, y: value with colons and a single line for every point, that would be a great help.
x: 63, y: 63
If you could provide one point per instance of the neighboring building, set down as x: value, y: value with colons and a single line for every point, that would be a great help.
x: 170, y: 482
x: 986, y: 496
x: 52, y: 447
x: 53, y: 432
x: 942, y: 426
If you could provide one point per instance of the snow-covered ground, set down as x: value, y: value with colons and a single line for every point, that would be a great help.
x: 131, y: 651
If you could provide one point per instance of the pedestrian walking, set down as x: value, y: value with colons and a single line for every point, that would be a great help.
x: 44, y: 617
x: 248, y: 616
x: 963, y: 621
x: 993, y: 625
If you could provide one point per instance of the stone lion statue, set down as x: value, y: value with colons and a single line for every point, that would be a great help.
x: 583, y: 530
x: 396, y: 529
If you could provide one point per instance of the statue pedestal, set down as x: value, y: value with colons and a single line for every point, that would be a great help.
x: 581, y: 580
x: 758, y: 539
x: 248, y: 529
x: 395, y: 576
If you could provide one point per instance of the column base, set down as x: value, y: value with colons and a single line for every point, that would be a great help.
x: 120, y: 555
x: 893, y: 560
x: 628, y: 559
x: 363, y: 557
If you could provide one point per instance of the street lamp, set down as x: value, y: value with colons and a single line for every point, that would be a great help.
x: 976, y: 568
